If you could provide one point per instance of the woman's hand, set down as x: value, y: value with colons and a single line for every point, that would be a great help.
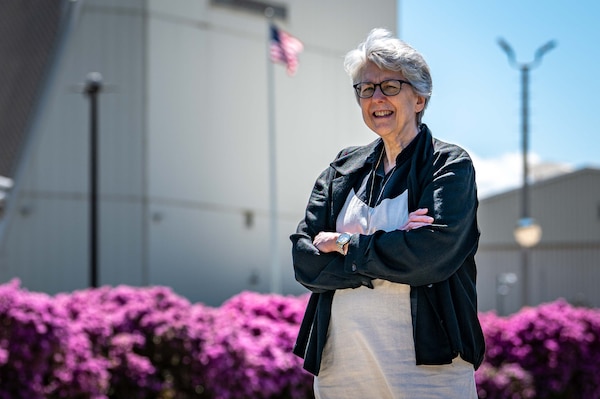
x: 417, y: 219
x: 325, y: 241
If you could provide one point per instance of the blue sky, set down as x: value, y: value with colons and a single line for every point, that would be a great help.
x: 476, y: 100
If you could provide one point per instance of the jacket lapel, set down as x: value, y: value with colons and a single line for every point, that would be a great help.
x: 346, y: 165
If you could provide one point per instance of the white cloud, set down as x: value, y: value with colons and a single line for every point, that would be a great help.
x: 503, y: 173
x: 495, y: 175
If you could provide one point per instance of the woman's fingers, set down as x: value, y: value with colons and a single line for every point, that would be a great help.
x: 416, y: 219
x: 325, y: 241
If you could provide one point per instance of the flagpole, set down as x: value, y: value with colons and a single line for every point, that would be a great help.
x: 275, y: 284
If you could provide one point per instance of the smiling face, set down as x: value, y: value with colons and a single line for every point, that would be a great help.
x: 391, y: 117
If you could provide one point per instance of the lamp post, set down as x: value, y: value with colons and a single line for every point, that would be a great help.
x: 527, y: 233
x: 93, y: 86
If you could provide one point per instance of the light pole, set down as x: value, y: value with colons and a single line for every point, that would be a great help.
x: 527, y: 233
x: 93, y: 87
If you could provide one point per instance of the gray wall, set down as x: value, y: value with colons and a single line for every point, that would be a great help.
x: 565, y: 264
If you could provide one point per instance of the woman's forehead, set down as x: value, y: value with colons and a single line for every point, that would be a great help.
x: 372, y: 72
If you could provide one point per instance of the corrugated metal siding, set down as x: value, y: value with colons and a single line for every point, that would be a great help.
x: 572, y: 273
x: 566, y: 263
x: 491, y: 263
x: 566, y: 208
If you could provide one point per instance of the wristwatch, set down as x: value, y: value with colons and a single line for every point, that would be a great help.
x: 342, y: 240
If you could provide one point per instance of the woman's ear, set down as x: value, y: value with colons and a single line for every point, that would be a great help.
x: 419, y: 104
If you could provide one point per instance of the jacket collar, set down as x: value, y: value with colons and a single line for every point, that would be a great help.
x: 354, y: 158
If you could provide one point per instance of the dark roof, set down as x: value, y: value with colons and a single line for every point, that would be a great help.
x: 29, y: 30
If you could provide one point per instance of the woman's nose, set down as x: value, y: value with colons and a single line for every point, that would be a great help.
x: 378, y: 93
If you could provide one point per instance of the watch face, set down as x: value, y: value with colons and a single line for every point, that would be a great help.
x: 343, y: 239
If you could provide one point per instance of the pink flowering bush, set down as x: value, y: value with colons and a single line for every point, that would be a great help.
x: 129, y: 343
x: 506, y: 381
x: 40, y: 355
x: 550, y: 351
x: 151, y: 337
x: 250, y: 353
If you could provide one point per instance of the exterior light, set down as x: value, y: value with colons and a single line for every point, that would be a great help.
x: 528, y: 233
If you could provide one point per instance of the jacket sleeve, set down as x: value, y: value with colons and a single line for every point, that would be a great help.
x: 320, y: 272
x: 430, y: 254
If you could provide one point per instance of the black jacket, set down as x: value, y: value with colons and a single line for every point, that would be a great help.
x: 436, y: 261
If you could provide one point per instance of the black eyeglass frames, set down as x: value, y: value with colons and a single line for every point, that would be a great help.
x: 389, y: 87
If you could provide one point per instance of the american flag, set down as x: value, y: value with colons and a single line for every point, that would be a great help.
x: 285, y: 49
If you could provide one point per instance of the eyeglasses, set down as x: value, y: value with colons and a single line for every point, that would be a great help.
x: 389, y: 87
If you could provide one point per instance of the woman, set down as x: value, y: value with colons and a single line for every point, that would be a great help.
x: 387, y: 247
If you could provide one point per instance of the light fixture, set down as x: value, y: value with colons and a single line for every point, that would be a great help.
x: 527, y: 233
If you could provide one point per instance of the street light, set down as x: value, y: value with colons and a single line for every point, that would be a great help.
x: 527, y: 233
x: 93, y: 87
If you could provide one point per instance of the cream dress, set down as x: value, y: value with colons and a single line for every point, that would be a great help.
x: 370, y: 351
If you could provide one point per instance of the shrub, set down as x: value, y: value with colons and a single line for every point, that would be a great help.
x: 152, y: 338
x: 507, y: 381
x: 40, y: 355
x: 129, y: 343
x: 556, y: 343
x: 250, y: 353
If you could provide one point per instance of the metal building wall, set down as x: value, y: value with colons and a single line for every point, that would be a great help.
x: 565, y: 264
